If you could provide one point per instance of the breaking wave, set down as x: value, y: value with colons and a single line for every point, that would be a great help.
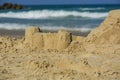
x: 14, y: 26
x: 43, y: 14
x: 98, y: 8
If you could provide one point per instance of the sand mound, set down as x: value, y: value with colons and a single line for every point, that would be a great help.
x: 108, y: 31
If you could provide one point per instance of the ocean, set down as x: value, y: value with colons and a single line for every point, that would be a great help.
x: 54, y: 17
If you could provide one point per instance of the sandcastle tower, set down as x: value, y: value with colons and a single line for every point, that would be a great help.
x: 29, y: 33
x: 33, y: 37
x: 64, y: 39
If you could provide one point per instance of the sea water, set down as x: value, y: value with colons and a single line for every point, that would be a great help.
x: 54, y: 17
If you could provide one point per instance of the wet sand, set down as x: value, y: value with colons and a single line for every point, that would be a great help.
x: 20, y: 33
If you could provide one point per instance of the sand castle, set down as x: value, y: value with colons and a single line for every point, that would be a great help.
x: 36, y: 39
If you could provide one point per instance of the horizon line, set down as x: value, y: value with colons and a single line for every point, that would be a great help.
x: 65, y: 4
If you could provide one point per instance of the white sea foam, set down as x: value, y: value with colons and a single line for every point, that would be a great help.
x: 41, y: 14
x: 98, y: 8
x: 11, y: 26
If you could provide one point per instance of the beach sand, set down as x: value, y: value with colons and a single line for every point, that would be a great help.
x: 62, y: 55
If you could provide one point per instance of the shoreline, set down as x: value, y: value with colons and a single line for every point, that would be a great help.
x: 21, y: 32
x: 12, y: 33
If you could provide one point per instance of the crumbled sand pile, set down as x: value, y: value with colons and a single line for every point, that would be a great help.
x: 63, y: 56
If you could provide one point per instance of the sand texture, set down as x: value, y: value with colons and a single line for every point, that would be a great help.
x: 62, y: 55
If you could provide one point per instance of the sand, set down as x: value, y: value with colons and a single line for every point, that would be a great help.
x: 62, y: 55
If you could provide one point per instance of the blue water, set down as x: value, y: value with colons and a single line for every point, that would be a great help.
x: 54, y: 17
